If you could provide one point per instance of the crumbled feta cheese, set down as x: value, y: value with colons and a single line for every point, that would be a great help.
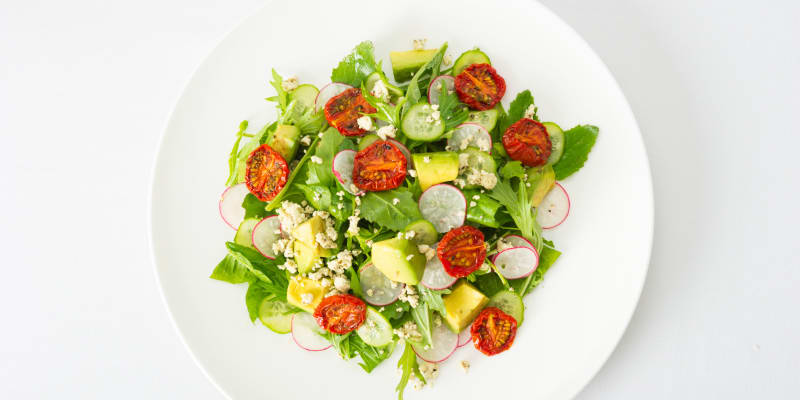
x: 409, y: 257
x: 429, y: 371
x: 341, y: 283
x: 290, y: 266
x: 410, y: 296
x: 316, y: 160
x: 410, y: 234
x: 476, y: 197
x: 290, y: 215
x: 306, y: 298
x: 306, y: 140
x: 395, y: 201
x: 358, y: 201
x: 320, y: 135
x: 428, y: 251
x: 342, y: 261
x: 365, y: 122
x: 435, y: 107
x: 289, y: 83
x: 447, y: 59
x: 352, y: 229
x: 530, y: 112
x: 324, y: 241
x: 472, y: 204
x: 412, y: 173
x: 426, y: 159
x: 419, y: 44
x: 409, y: 331
x: 387, y: 131
x: 380, y: 91
x: 465, y: 365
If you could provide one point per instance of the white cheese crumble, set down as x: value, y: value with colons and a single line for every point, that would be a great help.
x: 408, y: 331
x: 410, y: 296
x: 395, y: 201
x: 341, y: 283
x: 306, y: 140
x: 426, y: 159
x: 428, y: 251
x: 365, y: 122
x: 530, y: 112
x: 289, y: 83
x: 352, y: 229
x: 307, y: 298
x: 290, y: 266
x: 412, y: 173
x: 447, y: 59
x: 410, y: 234
x: 476, y: 197
x: 409, y: 257
x: 316, y: 160
x: 419, y: 44
x: 290, y: 215
x: 465, y: 365
x: 429, y: 371
x: 342, y: 261
x: 387, y: 131
x: 380, y: 91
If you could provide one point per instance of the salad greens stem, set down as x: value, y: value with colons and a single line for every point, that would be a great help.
x: 276, y: 202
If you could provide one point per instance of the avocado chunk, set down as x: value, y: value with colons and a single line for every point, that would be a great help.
x: 307, y: 231
x: 305, y: 293
x: 542, y: 180
x: 462, y: 304
x: 285, y: 140
x: 399, y: 260
x: 406, y: 63
x: 307, y: 250
x: 440, y: 167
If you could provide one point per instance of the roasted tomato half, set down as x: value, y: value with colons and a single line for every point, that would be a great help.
x: 381, y: 166
x: 527, y: 141
x: 340, y: 313
x: 493, y: 331
x: 480, y: 87
x: 266, y: 173
x: 343, y: 111
x: 462, y: 251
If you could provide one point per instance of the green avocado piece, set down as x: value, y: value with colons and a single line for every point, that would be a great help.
x: 463, y: 304
x: 285, y: 141
x: 542, y: 180
x: 406, y: 63
x: 439, y: 167
x: 399, y: 260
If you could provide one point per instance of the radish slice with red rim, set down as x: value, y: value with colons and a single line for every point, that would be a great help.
x: 265, y: 233
x: 376, y: 288
x: 327, y: 92
x: 307, y: 333
x: 465, y: 337
x: 509, y: 241
x: 435, y: 277
x: 435, y: 87
x: 554, y: 208
x: 404, y: 150
x: 517, y: 262
x: 444, y: 206
x: 230, y: 205
x: 342, y: 167
x: 444, y: 344
x: 470, y: 134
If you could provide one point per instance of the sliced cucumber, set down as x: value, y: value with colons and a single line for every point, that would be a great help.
x: 367, y: 140
x: 471, y: 160
x: 556, y: 141
x: 376, y: 329
x: 305, y: 95
x: 510, y: 303
x: 275, y: 315
x: 418, y: 123
x: 244, y: 235
x: 468, y: 58
x: 424, y: 232
x: 486, y: 119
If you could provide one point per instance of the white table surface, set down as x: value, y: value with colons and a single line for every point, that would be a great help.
x: 85, y: 89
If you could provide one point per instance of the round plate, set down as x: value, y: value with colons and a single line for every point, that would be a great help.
x: 573, y: 320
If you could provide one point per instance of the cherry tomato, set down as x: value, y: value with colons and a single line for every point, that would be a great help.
x: 266, y: 173
x: 462, y: 251
x: 480, y: 87
x: 527, y: 141
x: 381, y: 166
x: 343, y: 111
x: 493, y: 331
x: 340, y: 313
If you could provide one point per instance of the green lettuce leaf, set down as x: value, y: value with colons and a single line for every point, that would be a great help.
x: 380, y: 208
x: 370, y: 356
x: 273, y: 279
x: 422, y: 317
x: 254, y: 208
x: 413, y: 92
x: 578, y: 142
x: 327, y: 148
x: 232, y: 271
x: 281, y: 97
x: 407, y: 364
x: 484, y: 210
x: 356, y: 66
x: 517, y: 109
x: 256, y: 293
x: 512, y: 169
x: 433, y: 298
x: 453, y: 112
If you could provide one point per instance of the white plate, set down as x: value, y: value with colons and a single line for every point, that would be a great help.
x: 574, y: 319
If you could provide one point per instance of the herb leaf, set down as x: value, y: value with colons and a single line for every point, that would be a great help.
x: 273, y: 279
x: 380, y: 208
x: 433, y: 298
x: 453, y: 111
x: 256, y: 293
x: 422, y: 316
x: 276, y: 202
x: 547, y: 257
x: 578, y: 142
x: 517, y: 109
x: 233, y: 158
x: 254, y: 208
x: 232, y: 271
x: 413, y: 93
x: 407, y: 364
x: 370, y: 356
x: 328, y: 147
x: 356, y: 66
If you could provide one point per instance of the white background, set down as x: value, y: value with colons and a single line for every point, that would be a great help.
x: 85, y: 90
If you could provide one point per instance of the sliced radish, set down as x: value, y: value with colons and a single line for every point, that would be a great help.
x: 465, y: 337
x: 444, y: 206
x: 307, y: 334
x: 265, y: 233
x: 512, y: 241
x: 230, y: 205
x: 554, y: 208
x: 328, y: 91
x: 470, y: 134
x: 435, y: 89
x: 435, y: 276
x: 444, y: 344
x: 376, y: 288
x: 404, y: 150
x: 342, y: 167
x: 517, y: 262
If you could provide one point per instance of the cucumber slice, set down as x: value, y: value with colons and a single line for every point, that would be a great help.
x: 510, y: 303
x: 556, y: 141
x: 471, y: 160
x: 444, y: 206
x: 468, y: 58
x: 486, y: 119
x: 275, y: 315
x: 305, y: 95
x: 244, y: 235
x: 367, y: 140
x: 417, y: 123
x: 376, y: 330
x: 424, y: 232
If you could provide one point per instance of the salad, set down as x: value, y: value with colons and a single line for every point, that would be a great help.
x: 376, y: 216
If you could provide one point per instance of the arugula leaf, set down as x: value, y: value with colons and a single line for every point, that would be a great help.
x: 319, y: 196
x: 254, y: 208
x: 307, y: 119
x: 396, y: 312
x: 489, y: 284
x: 341, y: 343
x: 422, y: 316
x: 282, y: 98
x: 385, y: 112
x: 413, y: 92
x: 327, y: 148
x: 256, y: 293
x: 453, y: 112
x: 356, y: 66
x: 265, y: 269
x: 484, y: 210
x: 276, y: 202
x: 578, y: 142
x: 547, y: 257
x: 232, y: 271
x: 512, y: 169
x: 380, y: 208
x: 355, y: 283
x: 407, y: 364
x: 370, y: 356
x: 518, y: 205
x: 233, y: 158
x: 433, y: 298
x: 517, y: 109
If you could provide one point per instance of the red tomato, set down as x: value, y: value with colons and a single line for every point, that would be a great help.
x: 480, y: 87
x: 266, y: 173
x: 381, y: 166
x: 462, y: 251
x: 343, y: 111
x: 493, y: 331
x: 527, y: 141
x: 340, y: 313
